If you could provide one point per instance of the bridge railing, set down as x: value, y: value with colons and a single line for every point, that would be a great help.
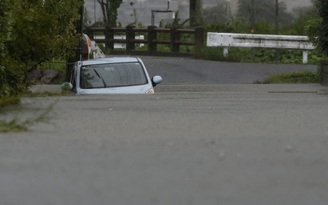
x: 151, y: 37
x: 227, y: 40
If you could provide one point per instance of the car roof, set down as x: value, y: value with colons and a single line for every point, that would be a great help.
x: 110, y: 60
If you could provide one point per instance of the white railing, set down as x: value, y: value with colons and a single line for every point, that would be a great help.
x: 227, y: 40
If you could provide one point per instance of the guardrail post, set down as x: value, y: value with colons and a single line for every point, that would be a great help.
x: 109, y: 36
x: 305, y: 56
x: 175, y: 47
x: 152, y: 35
x: 226, y: 52
x: 130, y: 36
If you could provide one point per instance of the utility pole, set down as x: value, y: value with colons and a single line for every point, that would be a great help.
x: 78, y: 51
x: 276, y: 18
x: 277, y: 27
x: 153, y: 12
x: 252, y: 16
x: 195, y: 12
x: 228, y: 10
x: 94, y: 11
x: 252, y: 25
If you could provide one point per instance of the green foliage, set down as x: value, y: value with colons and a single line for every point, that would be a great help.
x: 109, y: 9
x: 296, y: 77
x: 5, y: 101
x: 12, y: 126
x: 12, y: 82
x: 235, y: 26
x: 311, y: 29
x: 5, y: 29
x: 218, y: 13
x: 17, y: 125
x: 303, y: 16
x: 322, y: 29
x: 263, y: 27
x: 195, y: 13
x: 31, y: 33
x: 98, y: 24
x: 263, y: 10
x: 53, y: 64
x: 43, y: 30
x: 302, y: 21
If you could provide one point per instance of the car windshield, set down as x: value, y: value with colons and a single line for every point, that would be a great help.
x: 112, y: 75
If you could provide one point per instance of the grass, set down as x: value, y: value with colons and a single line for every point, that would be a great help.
x: 5, y: 101
x: 48, y: 93
x: 56, y: 65
x: 59, y: 65
x: 295, y: 77
x: 15, y: 125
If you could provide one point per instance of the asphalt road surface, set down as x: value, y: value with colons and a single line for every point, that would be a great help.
x: 192, y: 71
x: 229, y: 145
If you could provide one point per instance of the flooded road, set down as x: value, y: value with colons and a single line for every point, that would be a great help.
x: 236, y: 146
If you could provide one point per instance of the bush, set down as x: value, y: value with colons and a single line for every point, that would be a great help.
x: 32, y: 32
x: 296, y: 77
x: 322, y: 31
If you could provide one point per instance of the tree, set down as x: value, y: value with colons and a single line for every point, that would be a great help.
x: 218, y: 13
x: 33, y: 32
x: 109, y: 9
x: 8, y: 84
x: 320, y: 26
x: 195, y: 13
x: 303, y: 16
x: 262, y: 11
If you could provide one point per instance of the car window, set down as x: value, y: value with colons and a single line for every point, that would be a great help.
x: 112, y: 75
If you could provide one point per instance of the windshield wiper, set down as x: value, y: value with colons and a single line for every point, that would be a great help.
x: 100, y: 77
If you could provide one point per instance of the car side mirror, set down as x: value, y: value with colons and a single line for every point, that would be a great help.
x: 156, y: 80
x: 67, y: 86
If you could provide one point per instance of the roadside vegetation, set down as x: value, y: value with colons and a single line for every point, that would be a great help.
x: 18, y: 125
x: 294, y: 77
x: 260, y: 19
x: 33, y: 33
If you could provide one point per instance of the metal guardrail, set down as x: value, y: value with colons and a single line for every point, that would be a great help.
x: 227, y: 40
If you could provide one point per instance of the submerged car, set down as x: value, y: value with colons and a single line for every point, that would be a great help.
x: 114, y: 75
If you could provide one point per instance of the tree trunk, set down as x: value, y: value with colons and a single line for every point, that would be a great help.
x: 109, y: 10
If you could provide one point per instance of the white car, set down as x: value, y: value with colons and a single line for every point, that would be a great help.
x: 114, y: 75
